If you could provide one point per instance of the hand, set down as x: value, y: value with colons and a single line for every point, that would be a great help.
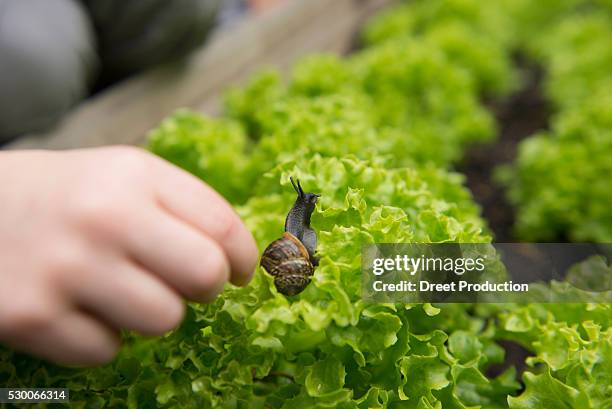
x: 93, y: 241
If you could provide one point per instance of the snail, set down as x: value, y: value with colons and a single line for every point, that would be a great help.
x: 291, y: 259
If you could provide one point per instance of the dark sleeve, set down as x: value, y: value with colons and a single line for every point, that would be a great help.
x: 134, y: 35
x: 47, y: 63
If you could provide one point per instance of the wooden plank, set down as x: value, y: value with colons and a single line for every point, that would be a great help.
x: 123, y: 114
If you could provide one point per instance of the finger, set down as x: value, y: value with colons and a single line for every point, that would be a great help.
x: 199, y: 205
x: 73, y: 338
x: 127, y: 297
x: 183, y: 257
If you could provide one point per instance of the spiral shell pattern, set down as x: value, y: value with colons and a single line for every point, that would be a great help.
x: 287, y: 260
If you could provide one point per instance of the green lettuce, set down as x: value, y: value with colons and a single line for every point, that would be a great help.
x: 487, y: 18
x: 577, y: 57
x: 254, y: 347
x: 558, y: 183
x: 191, y: 141
x: 571, y: 361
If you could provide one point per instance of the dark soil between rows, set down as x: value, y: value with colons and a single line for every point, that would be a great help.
x: 521, y: 115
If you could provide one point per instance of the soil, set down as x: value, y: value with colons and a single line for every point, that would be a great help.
x: 521, y: 115
x: 516, y: 356
x: 518, y: 117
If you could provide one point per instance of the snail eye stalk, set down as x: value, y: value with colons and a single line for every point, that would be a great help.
x: 298, y: 187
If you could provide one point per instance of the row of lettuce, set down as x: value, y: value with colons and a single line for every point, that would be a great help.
x: 376, y: 134
x: 561, y: 181
x: 413, y: 100
x: 560, y: 188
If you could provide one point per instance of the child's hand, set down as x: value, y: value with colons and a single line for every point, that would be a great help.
x: 93, y: 241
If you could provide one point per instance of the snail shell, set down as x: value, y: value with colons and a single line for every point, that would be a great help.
x: 288, y: 261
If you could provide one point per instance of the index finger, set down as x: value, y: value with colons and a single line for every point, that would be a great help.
x: 197, y: 204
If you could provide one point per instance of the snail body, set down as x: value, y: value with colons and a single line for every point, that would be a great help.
x: 291, y: 259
